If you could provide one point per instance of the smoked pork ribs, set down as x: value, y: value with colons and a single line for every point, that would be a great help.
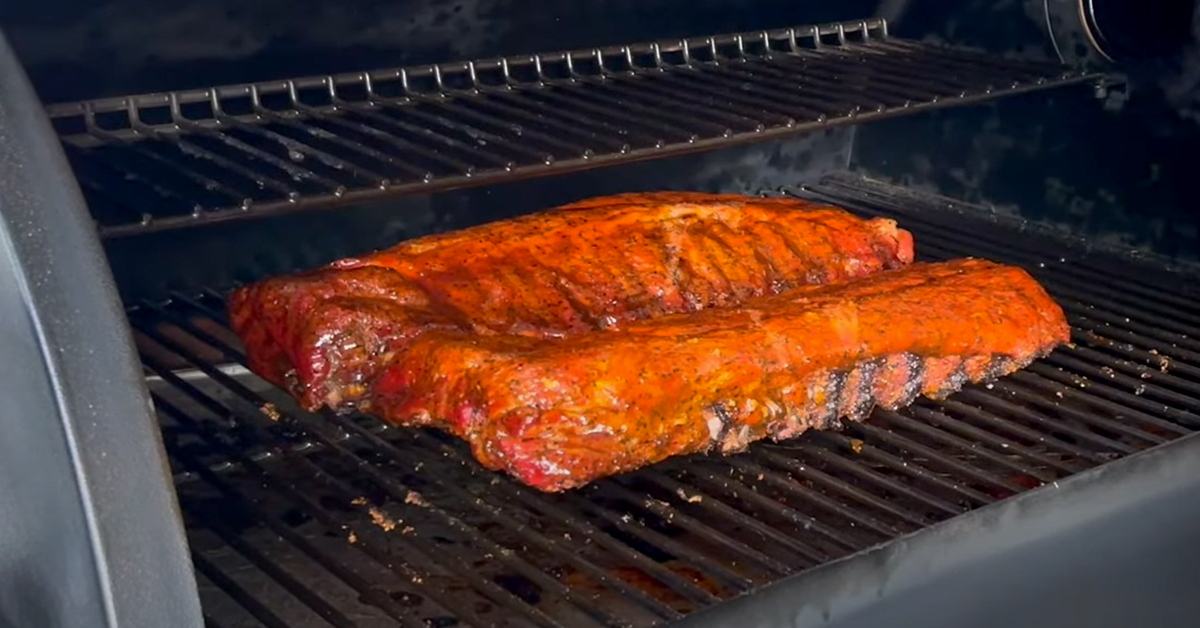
x: 324, y: 335
x: 611, y: 334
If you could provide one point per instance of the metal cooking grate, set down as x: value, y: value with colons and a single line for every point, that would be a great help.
x: 160, y: 161
x: 305, y: 520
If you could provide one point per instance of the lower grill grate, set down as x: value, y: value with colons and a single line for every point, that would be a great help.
x: 302, y: 520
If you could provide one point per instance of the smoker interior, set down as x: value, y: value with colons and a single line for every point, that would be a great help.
x: 298, y: 519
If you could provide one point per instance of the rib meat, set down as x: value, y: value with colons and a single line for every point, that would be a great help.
x: 326, y: 334
x: 558, y: 414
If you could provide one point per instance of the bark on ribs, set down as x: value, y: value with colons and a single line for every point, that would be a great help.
x: 558, y: 414
x: 325, y: 335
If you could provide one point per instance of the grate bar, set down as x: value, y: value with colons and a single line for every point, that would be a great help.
x: 748, y: 86
x: 555, y: 546
x: 965, y: 446
x: 639, y: 560
x: 1106, y: 373
x: 358, y: 149
x: 862, y: 471
x: 1031, y: 397
x: 931, y: 457
x: 294, y: 586
x: 626, y: 524
x: 905, y: 467
x: 779, y: 540
x: 1125, y: 410
x: 837, y: 540
x: 407, y: 572
x: 366, y: 591
x: 1156, y: 350
x: 800, y: 491
x: 842, y: 487
x: 999, y: 443
x: 237, y: 592
x: 667, y: 512
x: 989, y: 406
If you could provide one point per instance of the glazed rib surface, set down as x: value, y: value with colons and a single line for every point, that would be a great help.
x: 325, y: 335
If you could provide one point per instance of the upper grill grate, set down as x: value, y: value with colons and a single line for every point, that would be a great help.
x: 161, y: 161
x: 304, y: 520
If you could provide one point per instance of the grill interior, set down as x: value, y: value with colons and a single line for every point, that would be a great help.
x: 162, y: 161
x: 298, y: 519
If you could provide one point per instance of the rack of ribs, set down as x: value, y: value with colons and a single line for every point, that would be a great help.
x: 325, y: 335
x: 610, y: 334
x: 559, y: 414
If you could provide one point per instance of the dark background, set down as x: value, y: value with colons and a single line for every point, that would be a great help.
x: 1123, y: 174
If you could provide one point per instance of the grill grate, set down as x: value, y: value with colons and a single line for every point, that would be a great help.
x: 161, y: 161
x: 304, y: 520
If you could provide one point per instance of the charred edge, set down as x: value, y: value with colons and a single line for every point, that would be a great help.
x: 671, y: 262
x: 953, y: 383
x: 566, y: 288
x: 515, y: 289
x: 814, y: 276
x: 688, y: 280
x: 998, y: 367
x: 834, y: 389
x: 916, y: 377
x: 713, y: 232
x: 722, y: 413
x: 629, y: 275
x: 775, y: 280
x: 889, y: 255
x: 862, y: 394
x: 717, y: 267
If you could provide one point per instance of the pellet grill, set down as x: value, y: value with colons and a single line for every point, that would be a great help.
x: 148, y: 479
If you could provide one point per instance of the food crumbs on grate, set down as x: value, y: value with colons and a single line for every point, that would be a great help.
x: 271, y: 411
x: 415, y: 499
x: 691, y: 499
x: 358, y: 501
x: 856, y: 445
x: 1164, y: 363
x: 353, y: 538
x: 408, y: 531
x: 378, y: 518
